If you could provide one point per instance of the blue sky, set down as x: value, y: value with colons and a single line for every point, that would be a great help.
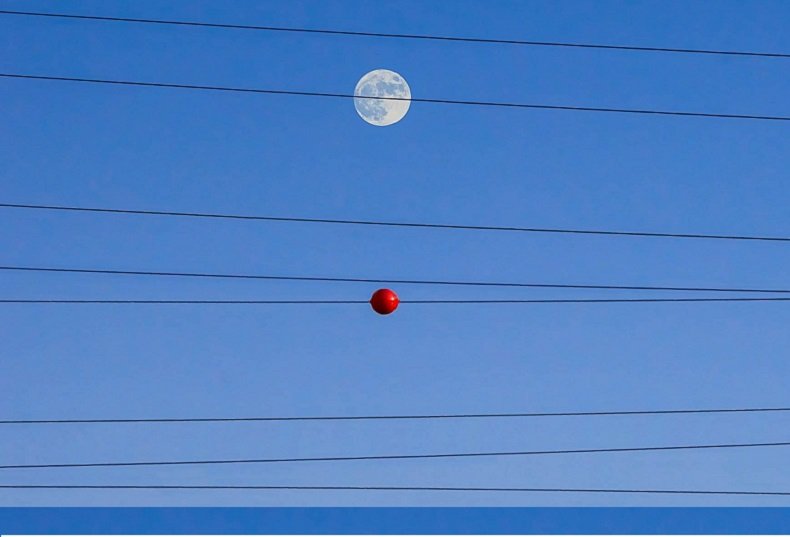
x: 162, y: 149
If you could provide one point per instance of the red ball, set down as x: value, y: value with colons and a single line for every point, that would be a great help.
x: 384, y: 301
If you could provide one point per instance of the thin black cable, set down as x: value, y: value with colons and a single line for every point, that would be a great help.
x: 394, y: 224
x: 217, y: 302
x: 408, y: 416
x: 396, y: 489
x: 401, y: 36
x: 388, y: 281
x: 413, y: 99
x: 394, y: 457
x: 309, y: 302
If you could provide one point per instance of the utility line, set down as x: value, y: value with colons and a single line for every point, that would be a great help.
x: 399, y: 36
x: 410, y: 416
x: 395, y: 457
x: 309, y: 302
x: 265, y: 91
x: 388, y: 281
x: 395, y: 489
x: 394, y: 224
x: 218, y: 302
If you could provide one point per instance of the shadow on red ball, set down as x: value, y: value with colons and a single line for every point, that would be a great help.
x: 384, y: 301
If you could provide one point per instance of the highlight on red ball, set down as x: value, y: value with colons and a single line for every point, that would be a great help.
x: 384, y: 301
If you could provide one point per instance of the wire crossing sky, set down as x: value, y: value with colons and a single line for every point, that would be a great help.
x: 75, y: 301
x: 268, y: 91
x: 399, y: 35
x: 405, y: 416
x: 396, y: 457
x: 396, y: 489
x: 139, y: 212
x: 273, y: 277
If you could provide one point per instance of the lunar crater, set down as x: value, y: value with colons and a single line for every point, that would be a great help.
x: 382, y: 83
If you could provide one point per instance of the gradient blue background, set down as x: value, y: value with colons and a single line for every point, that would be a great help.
x: 76, y: 144
x: 382, y: 520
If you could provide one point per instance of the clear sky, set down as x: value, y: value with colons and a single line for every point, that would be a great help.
x: 159, y: 149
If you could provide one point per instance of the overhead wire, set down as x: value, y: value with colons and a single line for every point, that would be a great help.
x: 378, y: 417
x: 336, y: 302
x: 471, y: 227
x: 423, y: 37
x: 397, y: 489
x: 395, y: 457
x: 498, y: 104
x: 273, y: 277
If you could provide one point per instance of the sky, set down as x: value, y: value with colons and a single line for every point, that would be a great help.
x: 165, y: 149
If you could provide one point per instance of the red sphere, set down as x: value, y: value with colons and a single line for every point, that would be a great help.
x: 384, y: 301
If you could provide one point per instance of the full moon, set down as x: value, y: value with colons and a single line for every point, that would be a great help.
x: 382, y: 83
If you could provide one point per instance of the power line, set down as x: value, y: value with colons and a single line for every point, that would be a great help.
x: 335, y: 302
x: 217, y: 302
x: 389, y: 281
x: 408, y: 416
x: 394, y: 224
x: 401, y: 36
x: 395, y: 457
x: 264, y: 91
x: 396, y: 489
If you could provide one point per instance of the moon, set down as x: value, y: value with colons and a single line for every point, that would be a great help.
x: 382, y: 83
